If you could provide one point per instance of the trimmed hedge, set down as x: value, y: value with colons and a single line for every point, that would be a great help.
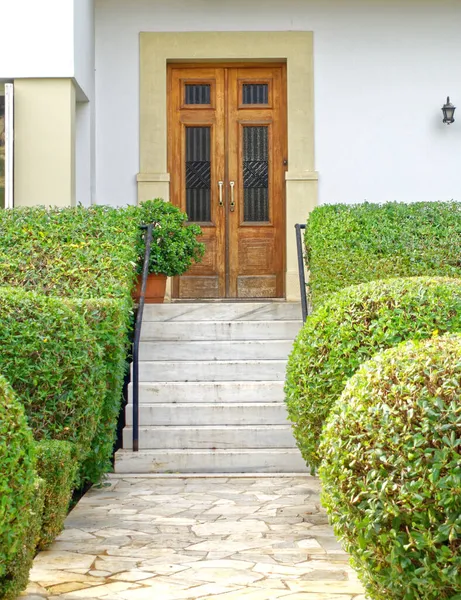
x: 350, y: 328
x: 17, y: 575
x: 57, y: 467
x: 90, y: 254
x: 392, y: 471
x: 73, y: 252
x: 348, y: 245
x: 110, y: 321
x: 17, y: 492
x: 54, y: 364
x: 81, y: 253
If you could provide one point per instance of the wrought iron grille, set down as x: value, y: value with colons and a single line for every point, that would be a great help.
x: 256, y: 174
x: 198, y: 174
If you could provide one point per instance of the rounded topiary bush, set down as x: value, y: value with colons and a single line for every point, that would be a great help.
x: 54, y: 365
x: 392, y: 471
x: 17, y: 490
x: 350, y: 328
x: 57, y: 467
x: 109, y: 320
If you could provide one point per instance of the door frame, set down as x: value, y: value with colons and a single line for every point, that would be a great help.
x: 295, y: 48
x: 171, y: 108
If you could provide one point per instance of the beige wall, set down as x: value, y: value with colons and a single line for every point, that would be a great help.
x: 44, y: 149
x: 296, y: 48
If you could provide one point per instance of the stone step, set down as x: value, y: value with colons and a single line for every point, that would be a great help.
x: 212, y: 414
x: 267, y: 460
x: 211, y: 437
x: 209, y: 391
x: 213, y: 350
x: 223, y: 311
x: 220, y: 330
x: 218, y: 370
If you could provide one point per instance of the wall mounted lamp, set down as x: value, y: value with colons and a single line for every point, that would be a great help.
x: 448, y: 112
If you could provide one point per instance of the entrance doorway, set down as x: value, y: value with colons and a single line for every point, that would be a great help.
x: 227, y: 153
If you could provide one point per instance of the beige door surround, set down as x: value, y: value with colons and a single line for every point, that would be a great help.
x: 294, y: 47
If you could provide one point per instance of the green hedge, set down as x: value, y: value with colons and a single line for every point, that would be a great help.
x: 347, y: 330
x: 347, y: 245
x: 18, y: 495
x: 392, y: 471
x: 17, y: 576
x: 109, y: 320
x: 92, y: 254
x: 57, y: 467
x: 81, y: 254
x: 73, y: 252
x: 54, y: 364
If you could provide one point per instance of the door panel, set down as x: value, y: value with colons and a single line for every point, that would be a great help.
x: 227, y: 146
x: 256, y: 164
x: 196, y: 165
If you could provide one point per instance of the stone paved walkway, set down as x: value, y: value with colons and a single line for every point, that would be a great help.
x: 254, y: 538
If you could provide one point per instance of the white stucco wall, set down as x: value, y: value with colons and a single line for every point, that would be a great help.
x: 84, y: 154
x: 383, y: 69
x: 84, y: 45
x: 46, y: 39
x: 55, y: 39
x: 36, y: 38
x: 84, y: 75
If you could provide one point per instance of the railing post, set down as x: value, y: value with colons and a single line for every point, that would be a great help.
x: 137, y: 336
x: 302, y: 276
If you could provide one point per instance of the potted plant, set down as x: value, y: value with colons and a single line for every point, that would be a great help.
x: 174, y: 247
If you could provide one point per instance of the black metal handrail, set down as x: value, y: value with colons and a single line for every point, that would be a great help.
x: 137, y: 335
x: 302, y: 275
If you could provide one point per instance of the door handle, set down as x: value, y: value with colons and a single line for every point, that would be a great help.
x: 220, y: 185
x: 232, y: 201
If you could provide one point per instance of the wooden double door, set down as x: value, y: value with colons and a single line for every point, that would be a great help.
x: 227, y: 145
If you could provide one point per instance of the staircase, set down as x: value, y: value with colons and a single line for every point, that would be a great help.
x: 211, y: 390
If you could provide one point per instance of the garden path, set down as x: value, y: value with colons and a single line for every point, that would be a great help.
x: 172, y: 538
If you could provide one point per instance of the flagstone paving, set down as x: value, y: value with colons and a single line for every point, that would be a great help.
x: 141, y: 538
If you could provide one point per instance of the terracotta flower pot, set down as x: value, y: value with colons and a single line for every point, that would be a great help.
x: 155, y: 288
